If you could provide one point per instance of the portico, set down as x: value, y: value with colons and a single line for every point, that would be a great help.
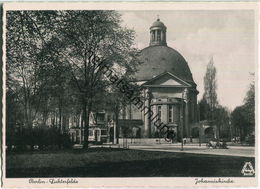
x: 170, y: 101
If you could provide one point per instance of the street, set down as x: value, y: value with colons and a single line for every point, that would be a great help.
x: 240, y: 151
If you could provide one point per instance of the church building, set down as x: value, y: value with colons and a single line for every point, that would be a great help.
x: 169, y: 89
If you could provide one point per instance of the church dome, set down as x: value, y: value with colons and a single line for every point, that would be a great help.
x: 158, y: 23
x: 159, y: 59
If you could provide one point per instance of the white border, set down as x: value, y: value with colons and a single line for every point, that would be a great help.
x: 140, y: 181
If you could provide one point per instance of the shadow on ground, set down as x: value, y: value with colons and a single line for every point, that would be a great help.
x: 132, y: 163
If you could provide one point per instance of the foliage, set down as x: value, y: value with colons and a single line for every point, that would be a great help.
x: 249, y: 103
x: 43, y: 137
x: 243, y: 117
x: 222, y: 120
x: 52, y: 65
x: 210, y: 86
x: 209, y: 107
x: 204, y: 109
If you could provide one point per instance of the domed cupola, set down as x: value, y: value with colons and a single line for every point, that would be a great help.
x: 158, y: 33
x: 158, y: 58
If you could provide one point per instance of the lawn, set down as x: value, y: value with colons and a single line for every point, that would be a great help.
x: 105, y: 162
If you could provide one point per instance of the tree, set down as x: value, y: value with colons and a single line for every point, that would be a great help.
x: 210, y: 87
x: 24, y: 45
x: 204, y: 109
x: 243, y: 117
x: 249, y: 103
x: 86, y: 39
x: 239, y: 121
x: 52, y: 51
x: 210, y: 93
x: 222, y: 118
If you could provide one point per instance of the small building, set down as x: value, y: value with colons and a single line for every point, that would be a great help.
x: 101, y: 129
x: 204, y: 131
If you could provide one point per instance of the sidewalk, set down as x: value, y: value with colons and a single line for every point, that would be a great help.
x: 194, y: 145
x: 242, y: 151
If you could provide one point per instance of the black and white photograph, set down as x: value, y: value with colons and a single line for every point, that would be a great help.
x: 127, y: 92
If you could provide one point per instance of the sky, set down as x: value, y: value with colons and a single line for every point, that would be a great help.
x: 227, y: 36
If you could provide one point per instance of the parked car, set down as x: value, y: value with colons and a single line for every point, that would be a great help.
x: 217, y: 144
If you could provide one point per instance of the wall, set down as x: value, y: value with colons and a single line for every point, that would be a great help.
x: 143, y: 141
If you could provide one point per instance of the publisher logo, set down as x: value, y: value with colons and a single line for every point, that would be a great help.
x: 248, y: 169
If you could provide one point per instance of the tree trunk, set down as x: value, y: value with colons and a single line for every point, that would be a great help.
x: 117, y: 127
x: 81, y: 126
x: 27, y: 115
x: 240, y: 133
x: 45, y: 112
x: 60, y: 114
x: 86, y: 113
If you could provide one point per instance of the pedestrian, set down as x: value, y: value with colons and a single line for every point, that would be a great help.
x: 184, y: 141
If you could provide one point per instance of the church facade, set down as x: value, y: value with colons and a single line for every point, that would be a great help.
x: 168, y: 89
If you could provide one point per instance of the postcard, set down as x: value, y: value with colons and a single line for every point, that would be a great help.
x: 133, y: 94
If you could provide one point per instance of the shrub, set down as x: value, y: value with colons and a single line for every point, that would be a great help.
x: 44, y: 137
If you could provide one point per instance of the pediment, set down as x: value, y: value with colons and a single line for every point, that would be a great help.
x: 166, y: 79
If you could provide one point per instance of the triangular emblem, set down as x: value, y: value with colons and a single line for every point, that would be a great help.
x: 248, y: 169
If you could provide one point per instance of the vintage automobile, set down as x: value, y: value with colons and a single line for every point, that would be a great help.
x: 217, y: 144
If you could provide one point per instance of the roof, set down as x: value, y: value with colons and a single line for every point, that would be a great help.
x: 159, y: 59
x: 180, y: 81
x: 158, y: 23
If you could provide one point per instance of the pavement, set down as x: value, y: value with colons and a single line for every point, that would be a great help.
x: 240, y: 151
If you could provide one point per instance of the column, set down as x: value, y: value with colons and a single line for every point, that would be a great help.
x: 147, y: 124
x: 159, y: 36
x: 181, y: 124
x: 187, y: 133
x: 164, y: 116
x: 154, y: 110
x: 162, y: 36
x: 151, y: 36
